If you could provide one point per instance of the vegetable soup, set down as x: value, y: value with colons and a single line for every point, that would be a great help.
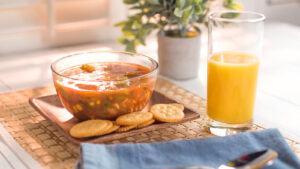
x: 104, y: 90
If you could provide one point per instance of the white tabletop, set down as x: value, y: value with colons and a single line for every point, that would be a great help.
x: 278, y: 97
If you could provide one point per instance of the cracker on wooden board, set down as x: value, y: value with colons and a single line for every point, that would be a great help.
x: 145, y: 124
x: 166, y: 113
x: 112, y: 129
x: 134, y: 118
x: 126, y: 128
x: 180, y: 106
x: 162, y: 112
x: 90, y: 128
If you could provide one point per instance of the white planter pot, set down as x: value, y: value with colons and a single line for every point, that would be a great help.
x: 179, y: 57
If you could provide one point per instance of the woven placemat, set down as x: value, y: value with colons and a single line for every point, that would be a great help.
x: 52, y: 150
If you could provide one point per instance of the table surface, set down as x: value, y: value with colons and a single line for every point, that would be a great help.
x: 278, y: 97
x: 41, y: 140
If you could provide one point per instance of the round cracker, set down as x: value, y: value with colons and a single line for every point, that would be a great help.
x: 90, y: 128
x: 134, y: 118
x: 166, y: 113
x: 145, y: 124
x: 112, y: 129
x: 179, y: 106
x: 126, y: 128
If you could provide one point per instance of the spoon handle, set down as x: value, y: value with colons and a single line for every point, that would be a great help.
x: 263, y: 159
x: 251, y: 161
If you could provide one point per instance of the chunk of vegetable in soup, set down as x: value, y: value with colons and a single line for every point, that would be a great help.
x: 104, y: 90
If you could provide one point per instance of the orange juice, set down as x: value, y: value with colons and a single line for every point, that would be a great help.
x: 231, y: 87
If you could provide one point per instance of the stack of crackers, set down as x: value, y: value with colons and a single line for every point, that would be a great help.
x: 158, y: 112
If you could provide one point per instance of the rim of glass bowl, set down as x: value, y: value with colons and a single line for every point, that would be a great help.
x: 117, y: 52
x: 258, y: 17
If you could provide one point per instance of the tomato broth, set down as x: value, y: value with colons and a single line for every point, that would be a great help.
x: 104, y: 90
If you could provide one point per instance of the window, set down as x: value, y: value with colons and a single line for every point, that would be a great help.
x: 36, y: 24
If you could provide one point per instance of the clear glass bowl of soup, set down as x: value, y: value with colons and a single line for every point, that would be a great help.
x: 104, y: 84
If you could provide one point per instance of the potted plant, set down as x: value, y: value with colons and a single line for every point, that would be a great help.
x: 178, y: 23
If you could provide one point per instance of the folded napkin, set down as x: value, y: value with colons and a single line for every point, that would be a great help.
x: 198, y: 152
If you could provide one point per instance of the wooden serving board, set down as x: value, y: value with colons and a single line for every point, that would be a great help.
x: 51, y: 108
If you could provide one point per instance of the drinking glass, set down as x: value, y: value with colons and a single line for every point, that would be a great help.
x: 235, y: 40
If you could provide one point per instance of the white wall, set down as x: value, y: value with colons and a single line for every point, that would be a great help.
x: 276, y: 10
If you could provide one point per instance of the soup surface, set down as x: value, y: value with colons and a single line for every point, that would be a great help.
x: 104, y: 90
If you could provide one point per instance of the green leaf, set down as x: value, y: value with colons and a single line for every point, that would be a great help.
x: 128, y: 34
x: 162, y: 23
x: 137, y: 24
x: 201, y: 18
x: 136, y: 43
x: 136, y: 17
x: 189, y: 2
x: 123, y: 41
x: 187, y: 8
x: 136, y: 7
x: 227, y: 3
x: 237, y: 6
x: 206, y: 23
x: 127, y: 29
x: 230, y: 4
x: 140, y: 40
x: 130, y: 1
x: 130, y: 47
x: 147, y: 26
x: 197, y: 2
x: 180, y: 4
x: 197, y: 29
x: 153, y: 2
x: 120, y: 23
x: 128, y: 24
x: 178, y: 12
x: 186, y: 16
x: 198, y: 9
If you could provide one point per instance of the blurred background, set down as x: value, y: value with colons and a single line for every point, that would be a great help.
x: 27, y: 25
x: 34, y: 33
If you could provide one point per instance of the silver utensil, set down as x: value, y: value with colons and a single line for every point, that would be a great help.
x: 249, y: 161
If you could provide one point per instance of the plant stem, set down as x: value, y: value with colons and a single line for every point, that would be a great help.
x: 179, y: 30
x: 182, y: 29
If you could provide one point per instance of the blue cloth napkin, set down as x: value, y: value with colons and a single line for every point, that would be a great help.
x: 208, y: 152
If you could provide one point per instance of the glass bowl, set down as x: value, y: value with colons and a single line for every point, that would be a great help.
x: 104, y: 84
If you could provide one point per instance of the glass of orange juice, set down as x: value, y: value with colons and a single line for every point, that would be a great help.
x: 234, y: 47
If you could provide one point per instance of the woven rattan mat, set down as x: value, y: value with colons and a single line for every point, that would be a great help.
x: 52, y: 150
